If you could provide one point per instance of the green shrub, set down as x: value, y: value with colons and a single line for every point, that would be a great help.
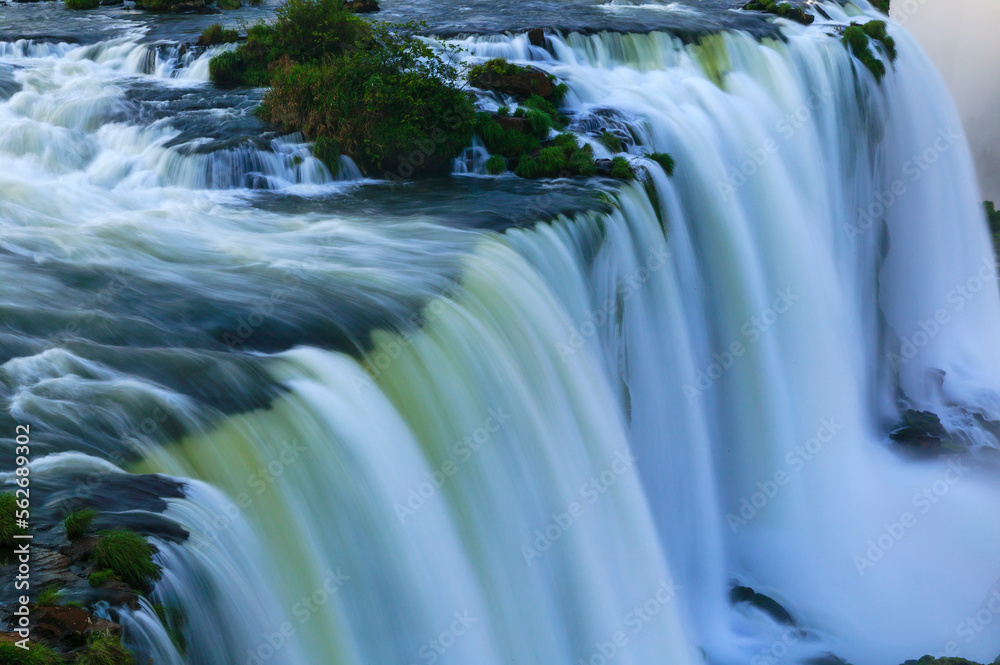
x: 156, y: 5
x: 49, y: 596
x: 610, y: 141
x: 216, y: 34
x: 621, y: 169
x: 664, y: 160
x: 128, y: 555
x: 503, y: 111
x: 8, y: 523
x: 562, y: 157
x: 229, y: 4
x: 36, y: 654
x: 82, y: 4
x: 878, y: 30
x: 104, y: 649
x: 101, y: 578
x: 527, y: 167
x: 496, y: 165
x: 499, y: 141
x: 881, y: 5
x: 77, y: 522
x: 782, y: 9
x: 497, y: 66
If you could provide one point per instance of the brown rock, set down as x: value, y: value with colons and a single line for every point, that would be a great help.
x: 362, y: 6
x: 530, y: 82
x: 69, y: 625
x: 52, y: 568
x: 509, y: 122
x: 536, y: 37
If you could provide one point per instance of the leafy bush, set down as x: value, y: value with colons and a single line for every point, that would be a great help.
x: 327, y: 151
x: 49, y: 596
x: 560, y: 158
x: 128, y: 555
x: 77, y: 522
x: 36, y: 654
x: 8, y: 525
x: 496, y: 165
x: 82, y: 4
x: 104, y: 649
x: 229, y: 4
x: 216, y: 34
x: 664, y: 160
x: 101, y: 578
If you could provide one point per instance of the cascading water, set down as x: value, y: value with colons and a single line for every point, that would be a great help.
x: 591, y: 428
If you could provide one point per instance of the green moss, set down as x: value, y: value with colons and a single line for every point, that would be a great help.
x: 782, y: 9
x: 496, y: 165
x: 327, y: 151
x: 8, y: 523
x: 881, y: 5
x: 216, y: 34
x: 879, y: 31
x: 128, y: 555
x: 610, y: 141
x: 498, y: 67
x: 101, y: 578
x: 77, y: 522
x: 621, y: 169
x: 104, y: 649
x: 664, y: 160
x: 82, y: 4
x: 49, y: 596
x: 856, y: 39
x: 36, y: 654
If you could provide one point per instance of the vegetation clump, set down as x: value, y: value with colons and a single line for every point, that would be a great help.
x: 384, y: 97
x: 8, y: 523
x: 77, y: 522
x: 104, y: 649
x: 664, y: 160
x: 502, y: 76
x: 782, y: 9
x: 560, y: 158
x: 36, y: 654
x: 610, y: 141
x: 82, y: 4
x: 128, y: 555
x: 993, y: 218
x: 621, y: 169
x: 881, y: 5
x: 857, y: 38
x: 496, y: 165
x: 49, y: 597
x: 101, y: 577
x: 216, y: 34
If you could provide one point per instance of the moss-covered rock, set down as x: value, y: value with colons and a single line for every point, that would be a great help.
x: 782, y: 9
x: 921, y: 432
x: 505, y: 77
x: 858, y: 38
x: 82, y: 4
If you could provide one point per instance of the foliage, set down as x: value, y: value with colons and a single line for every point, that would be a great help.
x: 621, y: 169
x: 503, y: 111
x: 49, y: 596
x: 993, y: 217
x: 856, y: 39
x: 77, y: 522
x: 496, y: 165
x: 782, y: 9
x: 560, y: 158
x: 8, y: 525
x: 104, y: 649
x: 156, y: 5
x: 82, y: 4
x: 128, y: 555
x: 101, y: 578
x: 501, y: 141
x: 327, y: 151
x: 881, y: 5
x: 229, y: 4
x: 498, y: 67
x: 664, y: 160
x: 36, y: 654
x: 878, y: 31
x: 216, y: 34
x: 610, y: 141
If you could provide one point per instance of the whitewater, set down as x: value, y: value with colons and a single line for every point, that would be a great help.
x: 402, y: 432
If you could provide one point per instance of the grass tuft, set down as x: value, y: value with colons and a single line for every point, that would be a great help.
x: 36, y: 654
x: 496, y: 165
x: 49, y: 597
x: 8, y: 523
x: 104, y: 649
x: 664, y: 160
x: 216, y: 34
x: 128, y: 555
x: 77, y: 522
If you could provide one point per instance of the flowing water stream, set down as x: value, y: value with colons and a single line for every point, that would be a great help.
x: 479, y: 420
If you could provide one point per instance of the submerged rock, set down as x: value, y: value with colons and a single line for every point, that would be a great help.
x: 921, y: 432
x: 766, y: 604
x: 536, y: 37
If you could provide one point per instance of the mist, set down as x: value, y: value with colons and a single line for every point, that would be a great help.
x: 960, y: 36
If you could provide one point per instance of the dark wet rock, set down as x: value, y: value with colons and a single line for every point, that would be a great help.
x: 826, y: 659
x: 112, y: 3
x: 362, y: 6
x: 501, y: 76
x: 536, y: 37
x: 51, y: 568
x: 69, y: 626
x: 921, y: 432
x: 766, y: 604
x: 782, y: 9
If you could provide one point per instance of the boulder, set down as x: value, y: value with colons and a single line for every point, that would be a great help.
x: 920, y: 432
x: 536, y: 37
x: 766, y: 604
x: 523, y: 83
x: 69, y: 625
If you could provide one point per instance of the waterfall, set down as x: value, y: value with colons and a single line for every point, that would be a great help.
x: 595, y: 426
